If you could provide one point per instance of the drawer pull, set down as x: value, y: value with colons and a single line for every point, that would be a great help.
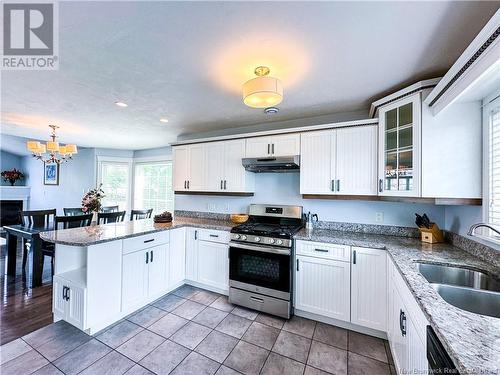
x: 321, y: 250
x: 151, y: 240
x: 255, y: 299
x: 214, y: 235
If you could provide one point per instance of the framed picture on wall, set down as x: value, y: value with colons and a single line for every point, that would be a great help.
x: 50, y: 174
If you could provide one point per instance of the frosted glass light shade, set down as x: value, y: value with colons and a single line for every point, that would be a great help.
x: 53, y: 146
x: 32, y: 145
x: 62, y: 150
x: 42, y: 149
x: 262, y: 92
x: 71, y: 149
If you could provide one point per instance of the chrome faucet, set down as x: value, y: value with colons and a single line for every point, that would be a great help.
x: 473, y: 227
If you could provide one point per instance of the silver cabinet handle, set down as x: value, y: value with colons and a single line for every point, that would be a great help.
x: 225, y: 184
x: 354, y: 257
x: 272, y: 149
x: 338, y: 185
x: 380, y: 185
x: 321, y: 250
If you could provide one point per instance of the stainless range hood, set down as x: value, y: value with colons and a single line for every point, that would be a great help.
x: 272, y: 164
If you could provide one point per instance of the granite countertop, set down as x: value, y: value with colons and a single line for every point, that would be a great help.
x: 96, y: 234
x: 471, y: 340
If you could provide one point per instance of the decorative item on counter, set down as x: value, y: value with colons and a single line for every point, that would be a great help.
x: 238, y: 218
x: 310, y: 219
x: 164, y: 217
x: 91, y: 201
x: 429, y: 231
x: 12, y: 176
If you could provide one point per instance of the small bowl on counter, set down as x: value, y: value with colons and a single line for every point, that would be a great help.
x: 238, y: 218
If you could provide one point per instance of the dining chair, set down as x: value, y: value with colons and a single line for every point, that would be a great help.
x: 110, y: 217
x: 35, y: 218
x: 109, y: 209
x: 72, y: 211
x: 140, y: 214
x: 63, y: 222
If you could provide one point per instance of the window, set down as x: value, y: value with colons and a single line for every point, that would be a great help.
x: 492, y: 114
x: 115, y: 176
x: 153, y: 186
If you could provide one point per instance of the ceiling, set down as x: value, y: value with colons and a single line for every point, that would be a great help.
x: 186, y: 61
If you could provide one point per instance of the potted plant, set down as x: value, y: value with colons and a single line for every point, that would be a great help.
x: 12, y: 176
x: 91, y: 201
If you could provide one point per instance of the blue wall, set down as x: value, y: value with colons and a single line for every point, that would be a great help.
x: 154, y: 152
x: 10, y: 161
x: 283, y: 188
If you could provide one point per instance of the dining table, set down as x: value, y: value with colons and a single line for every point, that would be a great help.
x: 30, y: 233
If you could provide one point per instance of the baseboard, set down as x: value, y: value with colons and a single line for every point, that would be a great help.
x: 206, y: 287
x: 342, y: 324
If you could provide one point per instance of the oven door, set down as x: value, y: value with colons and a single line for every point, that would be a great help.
x: 261, y: 266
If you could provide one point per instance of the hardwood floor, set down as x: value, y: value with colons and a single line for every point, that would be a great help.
x: 23, y: 308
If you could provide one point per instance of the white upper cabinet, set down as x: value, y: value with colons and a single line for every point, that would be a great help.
x: 339, y: 161
x: 276, y: 145
x: 212, y: 167
x: 316, y: 154
x: 399, y: 145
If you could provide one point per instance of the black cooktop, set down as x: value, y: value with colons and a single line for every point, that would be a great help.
x: 278, y: 229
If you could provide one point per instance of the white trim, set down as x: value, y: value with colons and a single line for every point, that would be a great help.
x: 483, y: 62
x: 369, y: 121
x: 149, y: 160
x: 119, y: 160
x: 101, y: 158
x: 152, y: 159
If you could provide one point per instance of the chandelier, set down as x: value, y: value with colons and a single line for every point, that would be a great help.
x: 56, y: 153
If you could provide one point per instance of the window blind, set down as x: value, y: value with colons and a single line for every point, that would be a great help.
x: 494, y: 169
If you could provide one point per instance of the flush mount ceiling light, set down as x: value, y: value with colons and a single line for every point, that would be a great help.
x: 121, y: 104
x: 163, y: 120
x: 262, y: 91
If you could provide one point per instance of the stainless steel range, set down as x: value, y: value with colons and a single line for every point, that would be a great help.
x: 260, y: 259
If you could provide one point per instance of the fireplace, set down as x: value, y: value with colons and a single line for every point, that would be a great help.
x: 10, y: 212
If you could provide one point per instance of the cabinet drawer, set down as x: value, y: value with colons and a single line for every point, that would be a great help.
x: 143, y: 242
x: 324, y: 250
x: 212, y: 235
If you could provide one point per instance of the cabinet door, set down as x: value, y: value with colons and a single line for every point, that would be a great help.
x: 213, y: 264
x: 399, y: 147
x: 134, y: 280
x: 180, y: 165
x: 258, y: 147
x: 58, y: 302
x: 196, y: 180
x: 177, y: 256
x: 191, y: 254
x: 285, y: 145
x: 323, y: 287
x: 369, y: 288
x: 356, y: 156
x: 76, y: 306
x: 214, y: 170
x: 398, y: 344
x: 316, y: 162
x: 416, y: 356
x: 234, y: 174
x: 157, y: 272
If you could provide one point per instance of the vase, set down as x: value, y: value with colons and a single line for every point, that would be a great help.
x: 12, y: 182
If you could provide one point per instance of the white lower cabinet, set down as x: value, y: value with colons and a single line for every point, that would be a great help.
x: 177, y: 257
x: 406, y: 327
x: 213, y: 264
x: 144, y: 275
x: 369, y: 288
x: 322, y: 286
x: 69, y: 302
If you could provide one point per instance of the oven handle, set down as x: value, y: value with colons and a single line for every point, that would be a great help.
x: 259, y: 248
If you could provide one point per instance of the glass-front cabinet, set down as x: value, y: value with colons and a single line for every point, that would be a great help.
x: 399, y: 147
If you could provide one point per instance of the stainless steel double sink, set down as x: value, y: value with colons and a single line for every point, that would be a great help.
x: 465, y: 288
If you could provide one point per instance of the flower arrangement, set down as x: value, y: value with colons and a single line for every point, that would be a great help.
x: 12, y: 176
x: 91, y: 201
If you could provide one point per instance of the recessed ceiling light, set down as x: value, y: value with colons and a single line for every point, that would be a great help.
x: 163, y: 120
x: 121, y: 104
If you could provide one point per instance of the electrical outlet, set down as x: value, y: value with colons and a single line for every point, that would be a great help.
x: 379, y: 217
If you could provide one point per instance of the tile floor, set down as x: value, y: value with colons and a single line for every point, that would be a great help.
x: 193, y: 331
